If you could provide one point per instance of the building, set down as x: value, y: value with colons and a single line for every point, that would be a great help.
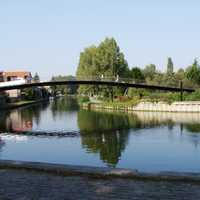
x: 14, y: 75
x: 14, y: 78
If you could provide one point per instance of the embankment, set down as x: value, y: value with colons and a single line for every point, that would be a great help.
x: 185, y: 106
x: 19, y: 104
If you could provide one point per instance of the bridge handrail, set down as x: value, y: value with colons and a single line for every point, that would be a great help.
x: 107, y: 79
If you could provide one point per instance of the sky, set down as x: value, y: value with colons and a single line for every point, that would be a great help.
x: 47, y: 36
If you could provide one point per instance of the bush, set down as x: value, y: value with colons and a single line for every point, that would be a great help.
x: 195, y: 96
x: 84, y: 99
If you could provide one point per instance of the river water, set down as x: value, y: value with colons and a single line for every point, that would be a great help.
x: 60, y: 132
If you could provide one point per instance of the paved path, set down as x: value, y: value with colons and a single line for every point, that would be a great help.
x: 25, y: 185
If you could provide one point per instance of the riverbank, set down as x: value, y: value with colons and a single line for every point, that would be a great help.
x: 183, y: 106
x: 19, y: 104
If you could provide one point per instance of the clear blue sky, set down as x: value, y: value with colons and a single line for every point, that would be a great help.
x: 47, y: 35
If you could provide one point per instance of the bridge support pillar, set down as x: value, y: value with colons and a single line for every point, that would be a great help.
x: 181, y: 92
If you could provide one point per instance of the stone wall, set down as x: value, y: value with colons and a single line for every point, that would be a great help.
x: 187, y: 106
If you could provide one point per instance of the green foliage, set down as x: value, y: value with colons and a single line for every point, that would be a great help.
x: 35, y: 93
x: 64, y: 89
x: 170, y: 66
x: 109, y: 145
x: 139, y: 93
x: 193, y: 72
x: 149, y: 72
x: 193, y: 128
x: 180, y: 75
x: 84, y: 99
x: 28, y: 94
x: 195, y: 96
x: 137, y: 74
x: 104, y: 60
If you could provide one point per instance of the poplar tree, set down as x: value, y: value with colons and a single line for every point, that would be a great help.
x: 105, y: 60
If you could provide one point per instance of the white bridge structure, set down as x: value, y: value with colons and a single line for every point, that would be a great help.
x: 17, y: 81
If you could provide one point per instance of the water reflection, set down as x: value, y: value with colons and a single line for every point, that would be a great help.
x: 21, y: 120
x: 63, y: 105
x: 189, y: 122
x: 2, y: 143
x: 103, y: 134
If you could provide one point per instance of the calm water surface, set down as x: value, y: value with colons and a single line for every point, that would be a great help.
x: 60, y: 132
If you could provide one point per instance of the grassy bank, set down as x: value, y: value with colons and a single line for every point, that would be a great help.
x: 117, y: 104
x: 126, y: 103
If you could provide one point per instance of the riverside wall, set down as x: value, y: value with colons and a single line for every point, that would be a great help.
x: 185, y: 106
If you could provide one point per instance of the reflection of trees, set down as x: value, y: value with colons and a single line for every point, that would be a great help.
x: 3, y: 116
x: 104, y: 133
x: 34, y: 112
x: 194, y: 128
x: 108, y: 145
x: 61, y: 105
x: 116, y: 121
x: 107, y: 133
x: 2, y: 143
x: 91, y: 121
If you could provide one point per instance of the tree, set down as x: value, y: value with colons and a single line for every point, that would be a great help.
x: 193, y: 72
x: 64, y: 89
x: 105, y: 59
x: 137, y: 74
x: 149, y: 71
x: 36, y: 78
x: 110, y: 61
x: 170, y: 66
x: 87, y: 69
x: 169, y: 77
x: 180, y: 74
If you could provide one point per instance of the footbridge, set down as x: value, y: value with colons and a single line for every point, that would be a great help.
x: 111, y: 81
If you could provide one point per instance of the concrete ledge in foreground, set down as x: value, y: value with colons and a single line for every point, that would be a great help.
x: 98, y: 172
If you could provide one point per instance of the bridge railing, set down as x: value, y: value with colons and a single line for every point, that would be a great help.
x: 130, y: 80
x: 109, y: 79
x: 118, y: 79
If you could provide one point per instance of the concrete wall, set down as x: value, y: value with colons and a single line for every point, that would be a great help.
x: 193, y: 106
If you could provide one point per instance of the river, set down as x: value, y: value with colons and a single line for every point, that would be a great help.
x: 60, y: 132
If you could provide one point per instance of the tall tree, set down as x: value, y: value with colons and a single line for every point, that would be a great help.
x: 193, y: 72
x: 110, y: 60
x: 170, y: 66
x: 104, y: 60
x: 36, y: 78
x: 149, y: 71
